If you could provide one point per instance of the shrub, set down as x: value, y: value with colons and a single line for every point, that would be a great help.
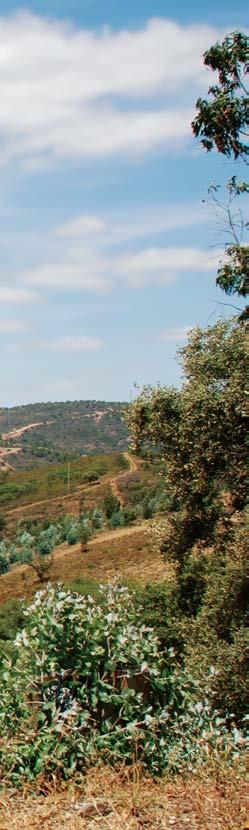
x: 11, y: 618
x: 73, y: 534
x: 117, y: 519
x: 2, y: 524
x: 160, y: 609
x: 41, y: 564
x: 130, y: 515
x: 97, y: 519
x: 149, y: 508
x: 85, y: 535
x: 4, y: 564
x: 111, y: 504
x: 87, y: 682
x: 44, y: 545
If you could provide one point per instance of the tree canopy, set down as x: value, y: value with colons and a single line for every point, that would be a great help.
x: 222, y: 122
x: 223, y: 119
x: 200, y: 432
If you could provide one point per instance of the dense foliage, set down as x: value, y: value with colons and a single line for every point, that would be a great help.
x: 88, y: 681
x: 200, y: 431
x: 222, y: 121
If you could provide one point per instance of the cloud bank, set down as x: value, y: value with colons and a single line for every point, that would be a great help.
x: 68, y: 93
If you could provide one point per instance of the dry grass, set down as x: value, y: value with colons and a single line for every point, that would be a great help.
x: 50, y: 494
x: 123, y: 801
x: 125, y: 553
x: 42, y: 507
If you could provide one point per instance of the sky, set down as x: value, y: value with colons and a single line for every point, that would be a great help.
x: 108, y: 251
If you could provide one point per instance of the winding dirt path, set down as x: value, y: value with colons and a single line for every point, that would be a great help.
x: 134, y: 465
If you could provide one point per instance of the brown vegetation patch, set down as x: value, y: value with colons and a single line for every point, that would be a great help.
x: 123, y: 801
x: 125, y: 553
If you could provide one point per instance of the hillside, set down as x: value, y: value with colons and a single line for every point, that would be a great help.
x: 62, y: 482
x: 33, y: 499
x: 42, y: 433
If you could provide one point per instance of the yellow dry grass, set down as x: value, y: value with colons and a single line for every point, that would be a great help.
x: 124, y: 801
x: 125, y: 553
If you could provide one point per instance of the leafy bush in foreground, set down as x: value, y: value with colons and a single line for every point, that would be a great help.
x: 87, y: 681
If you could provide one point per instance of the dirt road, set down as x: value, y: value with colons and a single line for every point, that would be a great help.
x: 16, y: 433
x: 134, y: 465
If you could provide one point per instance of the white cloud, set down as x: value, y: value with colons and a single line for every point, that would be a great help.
x: 13, y: 327
x: 160, y: 265
x: 81, y: 226
x: 116, y: 228
x: 86, y: 275
x: 144, y: 223
x: 158, y: 259
x: 72, y: 93
x: 73, y: 343
x: 180, y: 333
x: 14, y: 295
x: 89, y: 269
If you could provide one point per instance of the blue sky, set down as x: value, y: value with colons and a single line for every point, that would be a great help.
x: 108, y: 254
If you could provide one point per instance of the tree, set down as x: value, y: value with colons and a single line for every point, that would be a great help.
x: 222, y: 122
x: 85, y: 536
x: 200, y: 432
x: 42, y: 565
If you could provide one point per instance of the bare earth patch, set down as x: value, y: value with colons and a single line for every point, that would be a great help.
x: 16, y: 433
x: 5, y: 456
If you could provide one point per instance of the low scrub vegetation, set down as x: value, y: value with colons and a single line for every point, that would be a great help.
x: 56, y: 480
x: 88, y: 681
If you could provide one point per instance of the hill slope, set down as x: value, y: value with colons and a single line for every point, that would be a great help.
x: 48, y: 432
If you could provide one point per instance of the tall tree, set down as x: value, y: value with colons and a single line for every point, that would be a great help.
x: 222, y: 122
x: 200, y: 433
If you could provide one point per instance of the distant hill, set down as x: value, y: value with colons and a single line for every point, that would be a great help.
x: 36, y: 434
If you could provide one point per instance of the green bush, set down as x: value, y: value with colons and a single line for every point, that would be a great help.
x: 97, y: 519
x: 73, y: 534
x: 150, y: 507
x: 87, y: 682
x: 117, y: 519
x: 130, y: 515
x: 219, y: 634
x: 2, y: 524
x: 4, y: 564
x: 111, y: 504
x: 160, y: 609
x: 11, y: 618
